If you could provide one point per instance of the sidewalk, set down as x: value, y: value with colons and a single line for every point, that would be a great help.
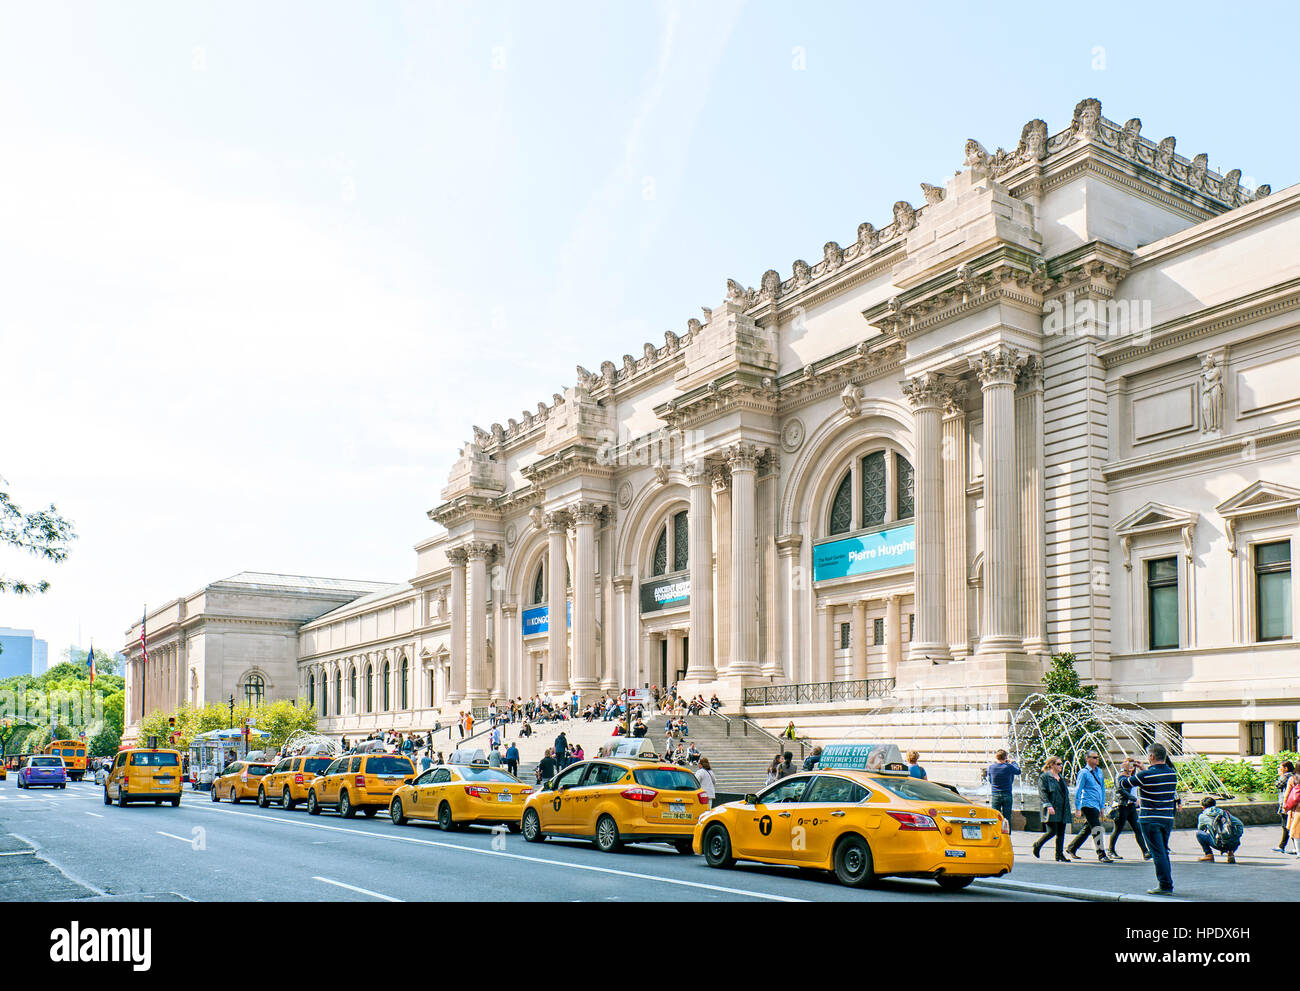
x: 1258, y: 875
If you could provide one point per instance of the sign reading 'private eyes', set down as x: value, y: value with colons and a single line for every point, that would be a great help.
x: 893, y: 548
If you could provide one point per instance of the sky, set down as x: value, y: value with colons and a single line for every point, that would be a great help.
x: 263, y: 265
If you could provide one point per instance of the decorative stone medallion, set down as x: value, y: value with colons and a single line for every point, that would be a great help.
x: 792, y: 435
x: 625, y: 495
x: 511, y: 534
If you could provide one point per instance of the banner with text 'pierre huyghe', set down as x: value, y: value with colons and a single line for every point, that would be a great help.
x: 863, y: 554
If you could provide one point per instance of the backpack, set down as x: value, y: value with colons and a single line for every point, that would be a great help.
x: 1227, y: 827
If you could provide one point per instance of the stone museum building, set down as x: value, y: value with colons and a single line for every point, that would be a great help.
x: 1053, y: 406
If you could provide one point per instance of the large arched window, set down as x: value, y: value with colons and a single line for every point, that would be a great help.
x: 352, y: 690
x: 672, y: 545
x: 338, y: 692
x: 324, y: 694
x: 877, y: 488
x: 255, y: 690
x: 384, y: 693
x: 539, y: 585
x: 311, y: 690
x: 406, y: 670
x: 370, y: 687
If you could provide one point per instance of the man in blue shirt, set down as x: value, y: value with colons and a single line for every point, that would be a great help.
x: 1157, y: 797
x: 914, y: 768
x: 1090, y: 799
x: 1002, y: 775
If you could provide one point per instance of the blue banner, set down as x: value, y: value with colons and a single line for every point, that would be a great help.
x: 538, y: 619
x: 892, y: 548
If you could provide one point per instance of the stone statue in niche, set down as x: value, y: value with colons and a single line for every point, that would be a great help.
x: 1211, y: 392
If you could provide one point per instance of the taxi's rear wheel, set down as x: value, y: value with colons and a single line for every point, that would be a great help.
x: 532, y: 826
x: 717, y: 847
x: 215, y: 796
x: 234, y: 797
x: 445, y: 821
x: 853, y: 864
x: 396, y: 813
x: 313, y: 806
x: 286, y: 800
x: 345, y: 806
x: 607, y: 840
x: 176, y: 802
x: 121, y: 798
x: 107, y: 800
x: 951, y: 882
x: 262, y: 802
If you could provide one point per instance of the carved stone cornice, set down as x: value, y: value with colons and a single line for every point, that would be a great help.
x: 466, y: 509
x: 734, y: 392
x: 999, y: 365
x: 576, y: 460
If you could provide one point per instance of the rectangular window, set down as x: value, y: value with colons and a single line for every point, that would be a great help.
x: 1288, y: 735
x: 681, y: 542
x: 1273, y: 591
x: 878, y: 632
x: 1255, y: 732
x: 873, y: 489
x: 905, y: 488
x: 1162, y: 603
x: 845, y: 636
x: 911, y: 626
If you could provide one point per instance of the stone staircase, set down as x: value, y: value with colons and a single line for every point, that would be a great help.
x: 739, y: 754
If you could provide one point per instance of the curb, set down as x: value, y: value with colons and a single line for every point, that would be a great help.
x: 1078, y: 894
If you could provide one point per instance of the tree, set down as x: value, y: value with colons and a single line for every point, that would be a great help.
x: 43, y: 533
x: 105, y: 663
x: 1066, y: 725
x: 281, y: 719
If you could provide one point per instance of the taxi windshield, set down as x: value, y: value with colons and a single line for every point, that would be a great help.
x: 666, y: 779
x: 917, y: 790
x: 154, y: 760
x: 316, y: 765
x: 389, y: 765
x: 483, y: 774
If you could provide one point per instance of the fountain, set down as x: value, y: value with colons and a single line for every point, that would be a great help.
x: 311, y: 743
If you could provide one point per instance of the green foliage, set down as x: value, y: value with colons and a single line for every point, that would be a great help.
x: 1069, y: 731
x: 281, y: 719
x: 105, y: 663
x: 28, y: 700
x: 1271, y: 762
x: 43, y: 533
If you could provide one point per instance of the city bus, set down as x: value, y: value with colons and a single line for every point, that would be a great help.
x: 73, y: 753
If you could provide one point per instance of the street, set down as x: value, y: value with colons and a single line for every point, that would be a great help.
x: 217, y: 852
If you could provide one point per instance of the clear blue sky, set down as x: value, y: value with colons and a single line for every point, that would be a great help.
x: 265, y: 264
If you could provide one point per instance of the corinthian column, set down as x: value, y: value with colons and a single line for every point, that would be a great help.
x: 700, y: 481
x: 456, y: 558
x: 997, y: 369
x: 586, y: 677
x: 557, y: 632
x: 927, y: 393
x: 1029, y: 470
x: 743, y: 459
x: 479, y: 552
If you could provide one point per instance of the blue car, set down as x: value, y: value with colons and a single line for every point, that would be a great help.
x: 43, y: 770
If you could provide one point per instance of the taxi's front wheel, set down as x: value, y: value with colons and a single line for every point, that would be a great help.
x: 717, y: 847
x: 532, y: 827
x: 607, y: 840
x: 107, y: 800
x: 313, y: 806
x: 853, y: 864
x: 395, y: 812
x: 262, y: 802
x: 215, y: 797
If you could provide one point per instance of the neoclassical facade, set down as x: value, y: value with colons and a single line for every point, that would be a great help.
x: 1055, y: 407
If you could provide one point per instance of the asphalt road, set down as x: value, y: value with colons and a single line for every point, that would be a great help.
x: 218, y: 852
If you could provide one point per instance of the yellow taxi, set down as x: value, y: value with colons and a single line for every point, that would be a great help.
x: 364, y: 782
x: 144, y: 775
x: 289, y: 781
x: 617, y: 800
x: 861, y: 825
x: 240, y: 780
x: 458, y: 795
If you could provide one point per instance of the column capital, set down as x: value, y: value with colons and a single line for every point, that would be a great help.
x: 698, y: 472
x: 457, y: 557
x: 1031, y: 374
x: 480, y: 550
x: 999, y: 365
x: 721, y: 475
x: 929, y: 390
x: 585, y: 513
x: 622, y: 583
x: 788, y: 544
x: 557, y: 521
x: 954, y: 399
x: 509, y: 608
x: 744, y: 456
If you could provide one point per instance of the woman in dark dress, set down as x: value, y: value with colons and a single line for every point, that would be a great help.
x: 1054, y: 796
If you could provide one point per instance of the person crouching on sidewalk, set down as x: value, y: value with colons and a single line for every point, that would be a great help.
x: 1215, y: 830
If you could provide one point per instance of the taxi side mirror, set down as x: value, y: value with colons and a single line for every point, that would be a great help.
x: 751, y: 799
x: 408, y: 781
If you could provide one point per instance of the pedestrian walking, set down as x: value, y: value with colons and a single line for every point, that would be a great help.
x: 512, y: 760
x: 1157, y: 797
x: 914, y: 768
x: 708, y: 783
x: 1054, y: 798
x: 1125, y: 810
x: 1002, y: 775
x: 1218, y: 829
x: 1291, y: 803
x: 546, y: 767
x: 561, y: 750
x: 1285, y: 774
x: 1090, y: 799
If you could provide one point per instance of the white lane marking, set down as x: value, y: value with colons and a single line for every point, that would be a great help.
x: 95, y: 814
x: 360, y: 891
x: 516, y: 856
x: 18, y: 853
x: 172, y: 836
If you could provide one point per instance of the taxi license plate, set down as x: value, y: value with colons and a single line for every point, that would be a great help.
x: 505, y: 796
x: 676, y: 807
x: 164, y: 779
x: 970, y: 832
